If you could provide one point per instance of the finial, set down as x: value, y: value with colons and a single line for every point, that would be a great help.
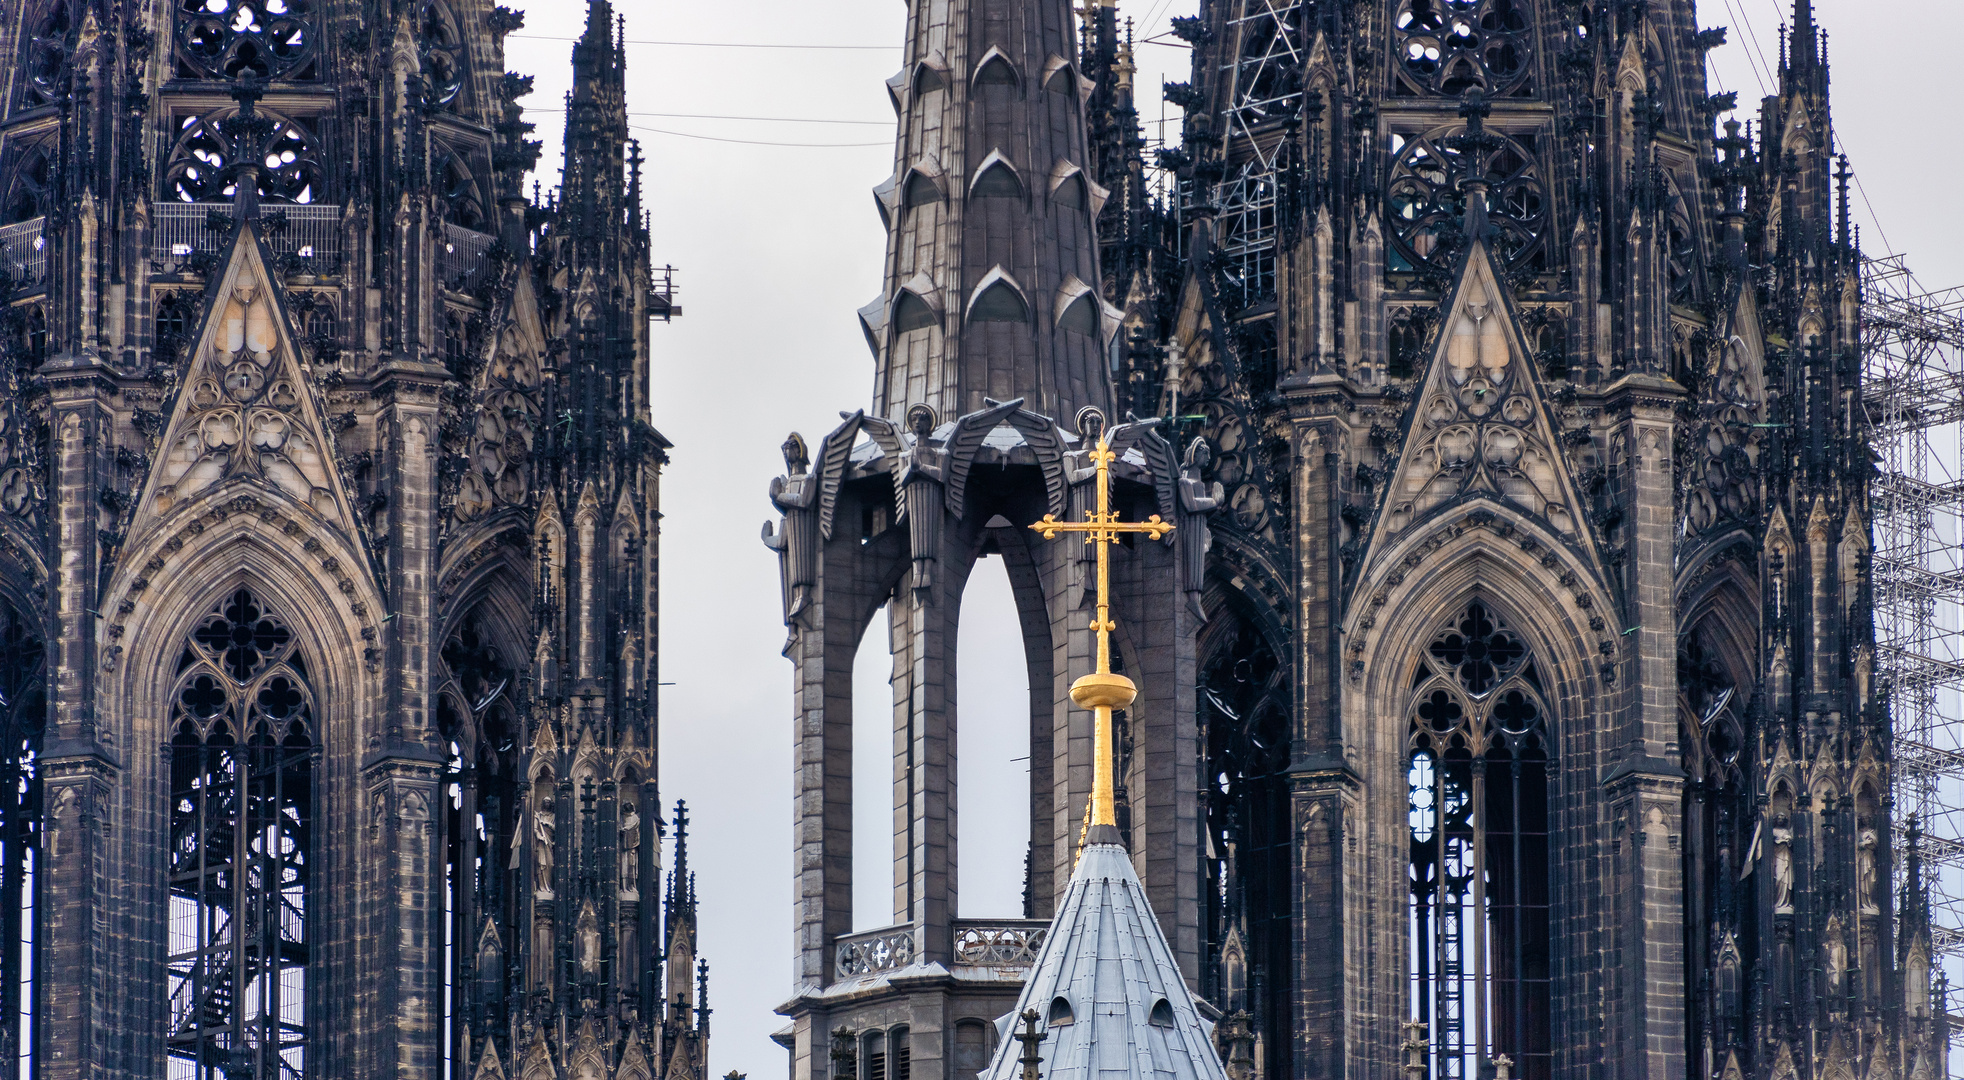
x: 1415, y: 1048
x: 1102, y: 690
x: 1030, y: 1040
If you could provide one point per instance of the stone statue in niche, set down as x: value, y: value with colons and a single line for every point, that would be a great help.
x: 796, y: 541
x: 630, y: 850
x: 544, y: 824
x: 1198, y: 498
x: 1837, y: 957
x: 921, y: 473
x: 589, y: 947
x: 1865, y: 873
x: 1783, y: 870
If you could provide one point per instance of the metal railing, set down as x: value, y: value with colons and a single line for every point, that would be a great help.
x: 463, y: 263
x: 24, y: 251
x: 179, y: 231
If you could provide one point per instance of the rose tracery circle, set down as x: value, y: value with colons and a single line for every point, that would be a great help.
x: 1452, y: 46
x: 1427, y: 198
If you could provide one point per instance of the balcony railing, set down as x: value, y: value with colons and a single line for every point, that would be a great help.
x: 463, y: 263
x: 874, y: 951
x: 179, y: 231
x: 978, y: 943
x: 24, y: 252
x: 999, y: 943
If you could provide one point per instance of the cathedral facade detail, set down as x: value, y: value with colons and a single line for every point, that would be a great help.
x: 1508, y: 691
x: 328, y: 555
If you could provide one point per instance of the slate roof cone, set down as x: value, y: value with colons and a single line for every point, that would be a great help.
x: 1109, y: 996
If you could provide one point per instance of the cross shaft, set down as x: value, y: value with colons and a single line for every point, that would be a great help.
x: 1102, y: 691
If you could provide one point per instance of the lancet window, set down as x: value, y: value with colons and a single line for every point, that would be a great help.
x: 22, y: 713
x: 479, y: 813
x: 211, y: 150
x: 245, y: 39
x: 442, y: 54
x: 1477, y: 809
x: 1452, y: 46
x: 46, y: 54
x: 241, y: 828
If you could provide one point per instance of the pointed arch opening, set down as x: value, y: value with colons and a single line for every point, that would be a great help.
x: 478, y: 723
x: 1478, y: 749
x: 921, y: 187
x: 912, y: 312
x: 996, y: 178
x: 992, y: 745
x: 998, y: 299
x: 23, y: 715
x: 242, y: 817
x: 873, y: 795
x: 996, y: 70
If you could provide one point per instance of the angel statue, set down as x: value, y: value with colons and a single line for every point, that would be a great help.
x: 796, y: 541
x: 1198, y: 498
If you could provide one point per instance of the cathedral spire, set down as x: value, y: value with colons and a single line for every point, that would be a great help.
x: 992, y: 259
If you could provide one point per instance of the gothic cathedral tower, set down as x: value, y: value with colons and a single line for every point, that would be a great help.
x: 1537, y: 689
x: 328, y: 554
x: 1520, y: 713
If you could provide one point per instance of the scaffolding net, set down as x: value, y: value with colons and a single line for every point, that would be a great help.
x: 1913, y: 392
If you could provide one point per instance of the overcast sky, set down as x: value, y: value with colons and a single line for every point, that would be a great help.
x: 767, y: 215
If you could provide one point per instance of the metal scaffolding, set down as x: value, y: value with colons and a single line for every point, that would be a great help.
x: 1913, y: 392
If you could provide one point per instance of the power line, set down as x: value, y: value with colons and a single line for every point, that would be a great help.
x: 712, y: 44
x: 719, y: 116
x: 755, y: 142
x: 1751, y: 62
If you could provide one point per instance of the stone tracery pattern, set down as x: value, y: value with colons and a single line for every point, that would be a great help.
x: 1476, y: 430
x: 1427, y: 197
x: 242, y: 413
x: 205, y: 161
x: 1451, y: 46
x: 245, y: 39
x: 241, y: 826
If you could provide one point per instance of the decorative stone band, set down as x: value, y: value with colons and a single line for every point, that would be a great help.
x: 874, y: 951
x: 999, y: 944
x: 993, y: 943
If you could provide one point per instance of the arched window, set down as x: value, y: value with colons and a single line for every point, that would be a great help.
x: 480, y: 809
x: 46, y: 55
x: 1478, y: 816
x: 463, y: 204
x: 241, y: 854
x: 27, y: 194
x: 442, y: 50
x: 23, y: 709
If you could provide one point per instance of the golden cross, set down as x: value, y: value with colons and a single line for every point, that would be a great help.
x: 1101, y: 691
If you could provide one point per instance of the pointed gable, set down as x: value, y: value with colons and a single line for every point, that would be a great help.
x: 1479, y: 427
x: 247, y: 414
